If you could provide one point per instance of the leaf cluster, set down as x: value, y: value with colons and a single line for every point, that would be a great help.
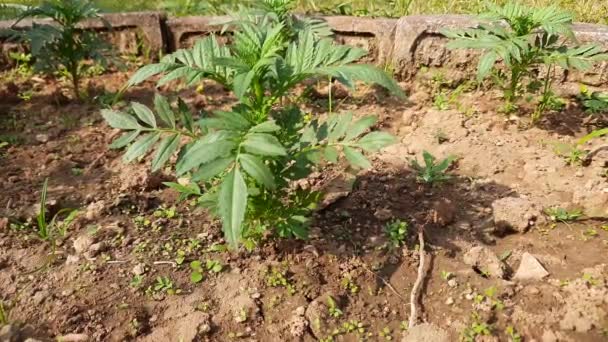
x: 432, y: 172
x: 60, y: 44
x: 241, y: 163
x: 524, y: 37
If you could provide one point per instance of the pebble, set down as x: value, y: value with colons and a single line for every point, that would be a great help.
x: 42, y: 138
x: 139, y: 269
x: 449, y: 301
x: 452, y: 283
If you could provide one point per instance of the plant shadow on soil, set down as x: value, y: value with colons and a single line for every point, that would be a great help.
x: 350, y: 228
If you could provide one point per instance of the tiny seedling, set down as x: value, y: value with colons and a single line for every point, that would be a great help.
x: 353, y: 326
x: 165, y: 213
x: 432, y: 172
x: 396, y: 232
x: 350, y: 285
x: 445, y: 275
x: 277, y: 278
x: 4, y: 315
x: 593, y: 102
x: 214, y: 266
x: 136, y: 281
x: 197, y: 272
x: 589, y: 279
x: 332, y: 306
x: 476, y: 329
x: 386, y: 334
x: 571, y: 153
x: 53, y: 229
x: 513, y: 335
x: 557, y: 214
x: 164, y: 284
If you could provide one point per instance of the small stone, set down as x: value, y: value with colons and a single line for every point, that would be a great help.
x: 3, y: 223
x: 42, y: 138
x: 444, y: 212
x: 256, y: 295
x: 82, y: 244
x: 452, y: 283
x: 426, y: 332
x: 514, y: 213
x: 139, y: 269
x: 67, y: 293
x: 9, y: 333
x: 94, y: 210
x: 449, y: 301
x: 73, y: 338
x: 579, y: 173
x: 72, y: 260
x: 96, y: 248
x: 530, y: 269
x: 549, y: 336
x: 383, y: 214
x: 485, y: 261
x: 40, y: 297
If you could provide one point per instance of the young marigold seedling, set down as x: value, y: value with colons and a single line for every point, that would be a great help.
x: 446, y: 275
x: 197, y: 272
x: 523, y: 38
x: 63, y: 46
x: 513, y: 335
x: 277, y: 278
x: 350, y: 285
x: 476, y: 329
x: 4, y: 314
x: 593, y: 102
x: 214, y: 266
x: 386, y: 334
x: 136, y: 281
x: 432, y: 172
x: 557, y: 214
x: 248, y: 157
x: 396, y: 232
x: 332, y: 306
x: 164, y: 284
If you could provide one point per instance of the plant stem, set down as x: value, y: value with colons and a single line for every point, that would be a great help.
x: 329, y: 96
x: 542, y: 106
x: 75, y: 79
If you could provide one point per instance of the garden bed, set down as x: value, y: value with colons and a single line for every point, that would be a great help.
x: 101, y: 281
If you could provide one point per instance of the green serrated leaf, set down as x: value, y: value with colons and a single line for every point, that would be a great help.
x: 125, y: 139
x: 265, y: 127
x: 256, y: 168
x: 141, y: 147
x: 163, y: 108
x: 185, y: 114
x: 165, y: 150
x: 191, y: 189
x: 375, y: 141
x: 232, y: 203
x: 202, y: 153
x: 360, y: 126
x: 263, y: 144
x: 356, y: 158
x: 144, y: 114
x: 341, y: 126
x: 331, y: 154
x: 120, y: 120
x: 209, y: 170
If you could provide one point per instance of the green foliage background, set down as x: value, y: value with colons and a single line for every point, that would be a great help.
x: 593, y: 11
